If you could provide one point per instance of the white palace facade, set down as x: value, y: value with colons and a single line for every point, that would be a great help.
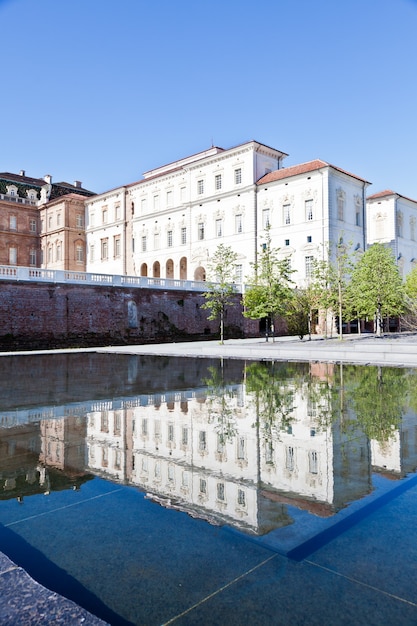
x: 169, y: 224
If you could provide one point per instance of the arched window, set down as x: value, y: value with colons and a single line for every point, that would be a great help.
x: 156, y: 270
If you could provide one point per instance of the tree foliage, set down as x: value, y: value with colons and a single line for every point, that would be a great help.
x: 270, y: 285
x: 376, y: 288
x: 221, y: 291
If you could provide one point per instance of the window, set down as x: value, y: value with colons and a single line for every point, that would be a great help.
x: 104, y: 249
x: 239, y: 273
x: 218, y: 182
x: 104, y: 216
x: 143, y: 246
x: 92, y: 218
x: 309, y: 239
x: 219, y: 227
x: 183, y: 235
x: 400, y: 222
x: 203, y: 485
x: 49, y: 222
x: 289, y: 458
x: 202, y: 441
x: 184, y: 439
x: 156, y: 203
x: 238, y: 223
x: 287, y: 213
x: 265, y: 218
x: 143, y: 205
x: 92, y: 253
x: 309, y: 210
x: 58, y: 219
x: 201, y: 230
x: 32, y: 226
x: 50, y: 254
x: 116, y: 246
x: 171, y: 432
x: 156, y: 241
x: 170, y: 198
x: 241, y: 448
x: 13, y: 222
x: 79, y: 254
x: 241, y: 499
x: 313, y: 462
x: 413, y: 228
x: 220, y: 491
x: 58, y: 251
x: 309, y: 266
x: 340, y: 204
x: 183, y: 194
x: 287, y: 242
x: 79, y: 220
x: 238, y: 176
x: 200, y: 187
x: 32, y: 257
x: 169, y: 238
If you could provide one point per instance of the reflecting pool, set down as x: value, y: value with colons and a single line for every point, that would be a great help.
x: 125, y: 481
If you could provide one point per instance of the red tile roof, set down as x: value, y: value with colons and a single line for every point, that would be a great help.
x: 386, y: 193
x: 302, y: 168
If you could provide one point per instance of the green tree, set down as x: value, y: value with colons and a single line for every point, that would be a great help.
x: 221, y: 290
x: 298, y: 313
x: 409, y: 320
x: 270, y: 290
x: 411, y: 284
x: 376, y: 289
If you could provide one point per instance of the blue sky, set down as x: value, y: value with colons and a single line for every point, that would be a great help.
x: 103, y: 90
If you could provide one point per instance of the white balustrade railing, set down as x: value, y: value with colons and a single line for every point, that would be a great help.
x: 37, y: 274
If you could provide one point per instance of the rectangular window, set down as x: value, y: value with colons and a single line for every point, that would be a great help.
x: 358, y: 217
x: 238, y: 223
x: 104, y: 249
x: 32, y: 257
x: 104, y: 216
x: 241, y: 448
x: 169, y: 238
x: 143, y: 243
x: 92, y: 218
x: 79, y: 220
x: 184, y: 439
x: 58, y: 252
x: 171, y: 432
x: 287, y: 213
x: 289, y: 458
x: 58, y: 219
x: 143, y: 205
x: 156, y: 203
x: 218, y: 182
x: 220, y: 491
x: 241, y: 499
x: 200, y: 187
x: 203, y: 485
x: 238, y: 176
x: 13, y: 222
x: 183, y: 194
x: 265, y: 218
x: 309, y: 210
x: 32, y: 226
x: 309, y: 266
x: 239, y: 273
x: 79, y: 254
x: 91, y: 254
x: 117, y: 212
x: 202, y: 441
x: 309, y: 239
x: 412, y: 228
x: 201, y: 230
x: 287, y: 242
x: 156, y: 241
x: 170, y: 198
x: 183, y: 235
x: 313, y: 462
x: 116, y: 245
x: 219, y: 227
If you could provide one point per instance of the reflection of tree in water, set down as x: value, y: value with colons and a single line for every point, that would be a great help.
x: 379, y: 397
x: 221, y: 404
x: 271, y: 385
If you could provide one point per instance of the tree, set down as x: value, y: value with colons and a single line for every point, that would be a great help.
x: 376, y: 288
x: 409, y: 320
x: 221, y: 290
x: 298, y: 313
x: 270, y: 290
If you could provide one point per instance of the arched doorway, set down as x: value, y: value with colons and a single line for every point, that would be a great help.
x: 200, y: 274
x: 156, y: 270
x: 169, y: 268
x: 143, y: 269
x: 183, y: 268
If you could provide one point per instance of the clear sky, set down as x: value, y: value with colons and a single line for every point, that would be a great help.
x: 102, y: 90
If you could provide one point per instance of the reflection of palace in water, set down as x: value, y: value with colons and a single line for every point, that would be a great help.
x: 226, y: 451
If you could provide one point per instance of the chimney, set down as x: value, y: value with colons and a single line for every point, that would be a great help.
x: 48, y: 178
x: 22, y: 172
x: 78, y: 184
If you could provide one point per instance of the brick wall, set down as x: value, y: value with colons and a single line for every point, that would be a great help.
x: 42, y: 315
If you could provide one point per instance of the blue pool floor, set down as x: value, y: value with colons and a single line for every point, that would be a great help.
x: 129, y: 561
